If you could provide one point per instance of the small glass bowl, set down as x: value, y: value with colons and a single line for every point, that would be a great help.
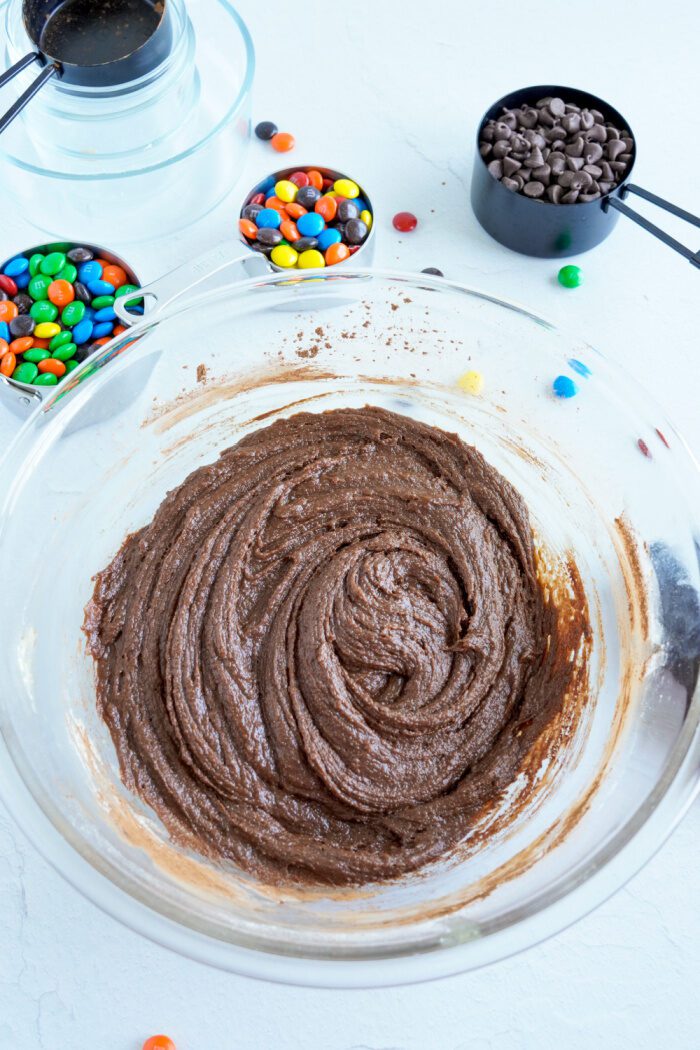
x: 142, y: 159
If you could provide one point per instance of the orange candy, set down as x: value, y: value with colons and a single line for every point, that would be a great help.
x: 114, y: 275
x: 118, y: 329
x: 282, y: 142
x: 159, y: 1042
x: 102, y: 262
x: 61, y: 293
x: 295, y: 211
x: 102, y: 341
x: 8, y: 310
x: 40, y: 344
x: 4, y: 346
x: 51, y: 364
x: 18, y: 346
x: 335, y: 253
x: 289, y: 230
x: 276, y: 203
x: 315, y: 178
x: 248, y: 228
x: 326, y: 207
x: 8, y: 363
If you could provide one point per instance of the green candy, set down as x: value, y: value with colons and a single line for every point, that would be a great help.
x: 102, y: 301
x: 73, y: 313
x: 127, y: 289
x: 67, y: 273
x: 570, y: 277
x: 35, y: 355
x: 38, y: 287
x: 45, y: 379
x: 60, y: 340
x: 70, y: 365
x: 25, y: 373
x: 35, y: 262
x: 43, y: 311
x: 52, y: 263
x: 63, y: 353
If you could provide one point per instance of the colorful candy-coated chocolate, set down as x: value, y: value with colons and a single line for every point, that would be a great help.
x: 337, y: 253
x: 311, y: 260
x: 60, y: 340
x: 269, y: 219
x: 404, y: 221
x: 43, y: 310
x: 52, y: 365
x: 46, y: 378
x: 25, y: 373
x: 100, y: 301
x: 159, y: 1042
x: 101, y: 329
x: 7, y: 285
x: 309, y: 225
x: 23, y: 279
x: 8, y: 363
x: 67, y: 273
x: 265, y: 131
x: 52, y: 263
x: 299, y: 178
x: 328, y: 237
x: 282, y: 142
x: 286, y: 190
x: 16, y: 266
x: 73, y: 313
x: 284, y: 255
x: 22, y: 344
x: 38, y: 287
x: 8, y: 311
x: 570, y: 276
x: 105, y: 314
x: 346, y: 188
x: 47, y: 330
x: 327, y: 207
x: 70, y: 365
x: 36, y: 355
x: 63, y: 353
x: 4, y: 346
x: 289, y: 231
x: 247, y: 228
x: 23, y: 324
x: 127, y: 289
x: 89, y: 271
x: 564, y: 386
x: 4, y: 331
x: 114, y: 275
x: 100, y: 287
x: 60, y: 292
x: 366, y: 217
x: 433, y: 271
x: 82, y: 331
x: 35, y: 262
x: 472, y: 382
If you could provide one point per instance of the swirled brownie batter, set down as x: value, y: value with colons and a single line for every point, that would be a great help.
x: 329, y: 649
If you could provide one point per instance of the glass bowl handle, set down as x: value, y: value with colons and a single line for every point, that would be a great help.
x: 185, y: 278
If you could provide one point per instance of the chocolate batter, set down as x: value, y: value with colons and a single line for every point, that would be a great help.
x: 329, y: 649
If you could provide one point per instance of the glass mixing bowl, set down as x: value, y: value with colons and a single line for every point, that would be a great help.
x: 135, y: 160
x: 96, y: 459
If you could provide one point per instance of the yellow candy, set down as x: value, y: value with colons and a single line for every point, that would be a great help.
x: 311, y: 259
x: 346, y: 188
x: 284, y: 255
x: 472, y: 382
x: 366, y: 217
x: 47, y: 330
x: 286, y: 191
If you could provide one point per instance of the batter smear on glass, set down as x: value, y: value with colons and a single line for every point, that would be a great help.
x: 329, y: 649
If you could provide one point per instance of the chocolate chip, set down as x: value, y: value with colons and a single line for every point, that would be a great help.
x: 570, y: 198
x: 612, y: 132
x: 535, y: 160
x: 528, y: 118
x: 501, y: 148
x: 592, y: 152
x: 542, y: 174
x: 614, y: 149
x: 485, y: 149
x: 533, y: 189
x: 604, y: 187
x: 596, y: 134
x: 571, y: 107
x: 575, y: 163
x: 575, y: 180
x: 547, y: 119
x: 572, y: 123
x: 488, y: 133
x: 587, y: 120
x: 559, y: 144
x: 557, y: 162
x: 510, y: 119
x: 625, y: 158
x: 496, y: 169
x: 555, y: 193
x: 510, y: 165
x: 575, y: 148
x: 593, y: 170
x: 510, y: 184
x: 606, y: 171
x: 501, y: 131
x: 629, y: 143
x: 585, y: 197
x: 557, y: 107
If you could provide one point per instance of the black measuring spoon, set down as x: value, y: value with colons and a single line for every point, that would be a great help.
x: 91, y: 43
x: 550, y: 231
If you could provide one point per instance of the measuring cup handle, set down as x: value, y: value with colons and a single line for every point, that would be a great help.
x: 183, y: 279
x: 47, y: 72
x: 673, y: 209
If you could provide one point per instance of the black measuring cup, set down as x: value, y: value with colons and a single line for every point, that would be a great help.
x: 547, y: 230
x: 91, y: 43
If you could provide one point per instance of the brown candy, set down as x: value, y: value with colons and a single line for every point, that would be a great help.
x: 556, y: 151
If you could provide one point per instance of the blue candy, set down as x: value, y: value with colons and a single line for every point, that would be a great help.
x: 362, y: 205
x: 23, y: 279
x: 268, y: 218
x: 89, y: 314
x: 309, y: 225
x: 16, y: 266
x: 100, y: 330
x: 564, y: 386
x: 105, y: 314
x: 89, y: 271
x: 136, y: 309
x: 266, y: 186
x: 100, y: 288
x: 580, y: 367
x: 82, y: 331
x: 5, y: 331
x: 328, y: 237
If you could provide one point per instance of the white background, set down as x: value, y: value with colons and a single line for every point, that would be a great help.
x: 391, y: 92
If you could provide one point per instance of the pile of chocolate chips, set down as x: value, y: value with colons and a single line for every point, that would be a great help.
x: 557, y: 151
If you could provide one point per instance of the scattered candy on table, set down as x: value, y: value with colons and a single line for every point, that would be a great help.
x: 306, y: 220
x: 643, y: 448
x: 580, y: 367
x: 433, y: 271
x: 662, y: 437
x: 570, y: 276
x: 564, y: 386
x: 282, y: 142
x: 66, y: 312
x: 472, y: 382
x: 404, y: 221
x: 265, y: 130
x: 159, y: 1042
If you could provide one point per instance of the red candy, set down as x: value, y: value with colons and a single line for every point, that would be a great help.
x: 354, y: 248
x: 259, y: 198
x: 7, y: 284
x: 405, y: 221
x: 326, y: 184
x: 643, y: 448
x: 299, y: 178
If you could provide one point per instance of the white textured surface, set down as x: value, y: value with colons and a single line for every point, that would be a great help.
x: 392, y: 92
